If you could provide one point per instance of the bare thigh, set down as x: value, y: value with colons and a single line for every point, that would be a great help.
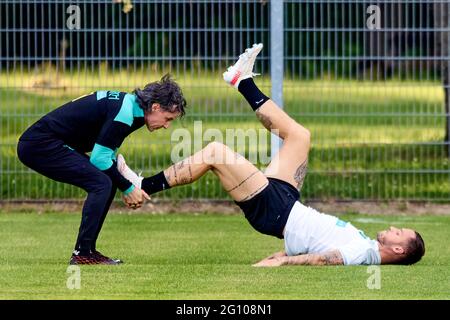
x: 290, y: 163
x: 239, y: 177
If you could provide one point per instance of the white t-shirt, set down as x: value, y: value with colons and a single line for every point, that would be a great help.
x: 309, y: 231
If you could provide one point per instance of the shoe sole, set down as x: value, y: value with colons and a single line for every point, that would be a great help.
x: 92, y: 264
x: 232, y: 76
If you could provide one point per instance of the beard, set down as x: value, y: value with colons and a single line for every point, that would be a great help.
x: 379, y: 236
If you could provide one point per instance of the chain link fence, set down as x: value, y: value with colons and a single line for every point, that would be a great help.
x: 369, y: 79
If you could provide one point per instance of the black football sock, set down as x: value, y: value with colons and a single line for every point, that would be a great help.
x: 252, y: 94
x: 155, y: 183
x: 82, y: 248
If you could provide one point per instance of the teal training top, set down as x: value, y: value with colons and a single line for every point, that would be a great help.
x: 96, y: 123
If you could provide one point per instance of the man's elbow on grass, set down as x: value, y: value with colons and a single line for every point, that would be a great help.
x: 330, y: 258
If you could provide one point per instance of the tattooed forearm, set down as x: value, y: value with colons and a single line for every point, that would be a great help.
x: 242, y: 182
x: 332, y: 258
x: 265, y: 120
x: 300, y: 174
x: 328, y: 258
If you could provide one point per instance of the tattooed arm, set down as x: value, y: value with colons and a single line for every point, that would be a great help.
x: 328, y: 258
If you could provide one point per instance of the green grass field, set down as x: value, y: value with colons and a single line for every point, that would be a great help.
x: 370, y: 140
x: 202, y: 257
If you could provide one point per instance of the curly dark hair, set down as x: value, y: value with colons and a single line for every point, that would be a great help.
x: 166, y: 92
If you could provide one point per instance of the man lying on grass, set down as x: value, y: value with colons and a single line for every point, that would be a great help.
x: 270, y: 200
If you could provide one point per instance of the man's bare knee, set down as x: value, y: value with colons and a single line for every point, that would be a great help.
x: 215, y: 148
x: 301, y: 135
x: 218, y: 153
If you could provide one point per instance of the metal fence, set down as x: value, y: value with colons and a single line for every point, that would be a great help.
x: 368, y: 78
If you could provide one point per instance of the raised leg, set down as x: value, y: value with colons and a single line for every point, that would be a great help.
x: 240, y: 178
x: 290, y: 163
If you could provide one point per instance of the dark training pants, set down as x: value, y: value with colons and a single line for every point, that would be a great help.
x: 51, y: 158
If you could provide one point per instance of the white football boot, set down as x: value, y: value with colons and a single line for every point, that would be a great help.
x: 128, y: 174
x: 243, y: 68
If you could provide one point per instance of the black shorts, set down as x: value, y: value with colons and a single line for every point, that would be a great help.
x: 269, y: 210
